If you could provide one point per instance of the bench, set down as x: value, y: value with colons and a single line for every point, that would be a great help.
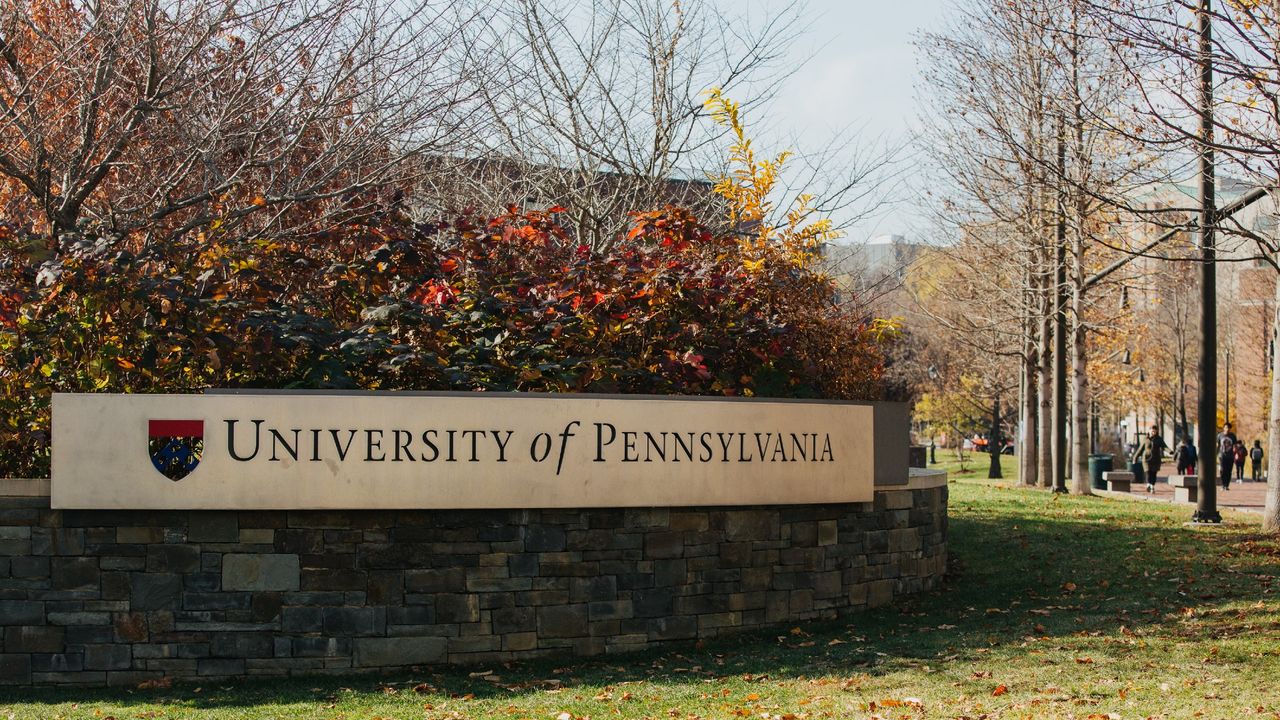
x: 1117, y: 480
x: 1185, y: 487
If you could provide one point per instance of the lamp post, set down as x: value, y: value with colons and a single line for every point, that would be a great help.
x: 1206, y: 412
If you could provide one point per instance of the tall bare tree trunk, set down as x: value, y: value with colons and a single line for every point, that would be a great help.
x: 1271, y: 510
x: 1044, y: 373
x: 1027, y: 460
x: 1079, y: 380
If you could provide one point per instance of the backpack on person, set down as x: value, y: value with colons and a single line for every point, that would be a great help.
x: 1256, y: 454
x: 1182, y: 457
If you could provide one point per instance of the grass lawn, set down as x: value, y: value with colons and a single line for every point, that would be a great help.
x: 1058, y: 607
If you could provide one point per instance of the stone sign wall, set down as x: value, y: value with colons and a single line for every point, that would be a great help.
x: 118, y: 597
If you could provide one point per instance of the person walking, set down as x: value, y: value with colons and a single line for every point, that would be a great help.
x: 1185, y: 457
x: 1255, y: 458
x: 1226, y: 456
x: 1240, y: 455
x: 1150, y: 454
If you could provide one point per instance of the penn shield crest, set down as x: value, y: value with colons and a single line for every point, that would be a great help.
x: 175, y: 446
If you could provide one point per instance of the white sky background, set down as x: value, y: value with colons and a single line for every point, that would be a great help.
x: 861, y: 71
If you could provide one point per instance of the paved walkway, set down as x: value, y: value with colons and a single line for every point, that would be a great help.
x: 1247, y: 496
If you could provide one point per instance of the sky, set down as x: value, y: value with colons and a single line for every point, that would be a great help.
x: 861, y: 70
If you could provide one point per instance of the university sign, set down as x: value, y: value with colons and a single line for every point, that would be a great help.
x: 286, y: 450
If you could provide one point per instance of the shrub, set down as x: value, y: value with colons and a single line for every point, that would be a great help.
x: 508, y: 304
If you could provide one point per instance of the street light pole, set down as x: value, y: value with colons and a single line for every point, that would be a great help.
x: 1206, y: 412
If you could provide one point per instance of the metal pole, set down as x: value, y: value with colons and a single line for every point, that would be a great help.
x: 1206, y: 412
x: 1060, y: 322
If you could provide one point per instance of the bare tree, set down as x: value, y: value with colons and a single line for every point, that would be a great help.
x: 169, y: 115
x: 598, y: 107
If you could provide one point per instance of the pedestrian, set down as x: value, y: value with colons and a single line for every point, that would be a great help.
x: 1185, y: 457
x: 1227, y: 432
x: 1240, y: 455
x: 1255, y: 456
x: 1150, y: 454
x: 1226, y: 456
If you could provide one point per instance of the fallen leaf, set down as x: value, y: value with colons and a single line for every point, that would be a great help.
x: 1000, y: 690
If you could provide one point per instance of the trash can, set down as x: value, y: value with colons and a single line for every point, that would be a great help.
x: 1099, y: 464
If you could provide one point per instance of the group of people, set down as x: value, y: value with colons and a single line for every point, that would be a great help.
x: 1232, y: 453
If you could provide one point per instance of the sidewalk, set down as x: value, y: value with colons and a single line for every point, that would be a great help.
x: 1246, y: 497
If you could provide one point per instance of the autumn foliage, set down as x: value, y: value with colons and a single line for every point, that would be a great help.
x: 512, y: 303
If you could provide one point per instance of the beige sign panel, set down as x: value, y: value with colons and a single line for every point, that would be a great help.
x: 340, y: 451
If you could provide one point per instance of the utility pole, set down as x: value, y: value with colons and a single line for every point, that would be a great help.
x: 1207, y: 411
x: 1059, y: 449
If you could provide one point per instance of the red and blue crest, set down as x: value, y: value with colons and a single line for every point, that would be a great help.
x: 175, y: 446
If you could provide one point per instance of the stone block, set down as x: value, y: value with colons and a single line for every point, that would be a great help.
x: 321, y: 647
x: 57, y: 541
x: 130, y: 627
x: 673, y: 628
x: 1183, y: 481
x: 879, y: 593
x: 457, y: 608
x: 29, y: 567
x: 241, y: 645
x: 57, y: 663
x: 302, y: 619
x: 213, y: 527
x: 154, y: 591
x: 139, y: 535
x: 74, y: 573
x: 79, y: 618
x: 897, y: 499
x: 517, y: 642
x: 664, y: 545
x: 610, y: 610
x: 108, y: 657
x: 397, y: 652
x: 15, y: 669
x: 523, y: 565
x: 34, y: 639
x: 352, y: 621
x: 219, y: 667
x: 749, y: 525
x: 435, y: 581
x: 563, y: 621
x: 260, y: 571
x: 1186, y: 494
x: 828, y: 533
x: 257, y: 536
x: 514, y: 619
x: 173, y: 558
x: 325, y: 579
x: 1118, y: 485
x: 201, y: 601
x: 544, y: 538
x: 265, y: 606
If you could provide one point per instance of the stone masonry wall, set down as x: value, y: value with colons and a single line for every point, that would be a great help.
x: 116, y: 598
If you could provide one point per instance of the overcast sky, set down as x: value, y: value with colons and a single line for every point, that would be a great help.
x: 862, y: 71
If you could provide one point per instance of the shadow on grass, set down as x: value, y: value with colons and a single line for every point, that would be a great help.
x: 1024, y: 563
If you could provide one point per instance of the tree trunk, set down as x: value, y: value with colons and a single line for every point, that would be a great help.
x: 1079, y: 395
x: 993, y: 442
x: 1027, y: 460
x: 1030, y: 413
x: 1044, y: 375
x: 1271, y: 510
